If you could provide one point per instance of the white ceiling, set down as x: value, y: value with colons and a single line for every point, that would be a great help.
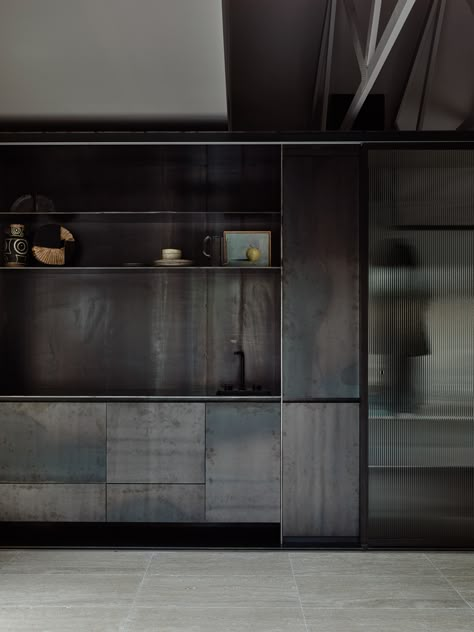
x: 161, y: 60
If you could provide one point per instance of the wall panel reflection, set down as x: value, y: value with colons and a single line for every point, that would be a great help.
x: 421, y: 347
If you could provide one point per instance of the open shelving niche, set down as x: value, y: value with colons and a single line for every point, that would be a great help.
x: 99, y: 329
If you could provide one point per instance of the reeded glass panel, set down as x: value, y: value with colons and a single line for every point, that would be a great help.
x: 421, y: 347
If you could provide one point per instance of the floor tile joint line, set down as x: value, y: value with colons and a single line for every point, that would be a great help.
x: 448, y: 581
x: 128, y: 619
x: 298, y: 593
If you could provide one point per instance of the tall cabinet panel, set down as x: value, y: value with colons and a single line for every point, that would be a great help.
x: 320, y: 281
x: 320, y: 443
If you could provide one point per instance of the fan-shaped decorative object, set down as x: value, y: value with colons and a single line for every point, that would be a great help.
x: 32, y: 204
x: 53, y: 245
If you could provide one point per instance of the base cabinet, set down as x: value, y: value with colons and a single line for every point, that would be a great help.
x: 136, y: 462
x: 320, y: 470
x: 242, y: 462
x: 52, y: 461
x: 155, y: 462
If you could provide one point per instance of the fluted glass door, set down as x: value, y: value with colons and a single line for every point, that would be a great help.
x: 421, y: 347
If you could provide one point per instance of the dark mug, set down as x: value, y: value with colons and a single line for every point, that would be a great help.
x: 215, y: 244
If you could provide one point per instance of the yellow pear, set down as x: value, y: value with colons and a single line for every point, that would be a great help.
x: 253, y: 253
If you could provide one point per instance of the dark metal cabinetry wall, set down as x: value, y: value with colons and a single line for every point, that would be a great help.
x: 320, y: 342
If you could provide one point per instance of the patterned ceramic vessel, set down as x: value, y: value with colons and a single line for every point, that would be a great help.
x: 15, y: 246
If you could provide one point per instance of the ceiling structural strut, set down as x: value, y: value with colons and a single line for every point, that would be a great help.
x: 424, y: 63
x: 440, y: 9
x: 323, y: 74
x: 373, y: 29
x: 327, y: 78
x: 467, y: 124
x: 382, y: 50
x: 352, y: 18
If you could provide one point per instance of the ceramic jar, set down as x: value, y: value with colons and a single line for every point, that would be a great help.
x: 15, y: 246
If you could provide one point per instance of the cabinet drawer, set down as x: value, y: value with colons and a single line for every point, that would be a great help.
x: 52, y: 442
x: 155, y: 443
x: 155, y: 503
x: 56, y: 502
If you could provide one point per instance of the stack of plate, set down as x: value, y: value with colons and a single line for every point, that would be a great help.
x: 170, y: 263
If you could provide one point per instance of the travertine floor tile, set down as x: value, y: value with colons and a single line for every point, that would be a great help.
x: 453, y: 564
x: 246, y: 619
x: 361, y: 563
x: 21, y: 589
x: 51, y: 619
x: 465, y: 587
x: 222, y: 563
x: 212, y: 591
x: 368, y: 591
x: 371, y: 620
x: 85, y: 561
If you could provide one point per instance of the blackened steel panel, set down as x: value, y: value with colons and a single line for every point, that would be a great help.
x: 155, y: 442
x: 320, y: 279
x: 242, y: 462
x: 320, y: 470
x: 52, y: 442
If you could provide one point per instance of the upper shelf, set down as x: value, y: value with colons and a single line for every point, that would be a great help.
x: 135, y: 213
x: 135, y: 269
x: 224, y: 219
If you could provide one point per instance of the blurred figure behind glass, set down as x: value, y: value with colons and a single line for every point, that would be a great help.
x: 397, y: 330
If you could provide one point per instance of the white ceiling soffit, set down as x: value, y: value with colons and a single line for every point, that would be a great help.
x: 114, y: 60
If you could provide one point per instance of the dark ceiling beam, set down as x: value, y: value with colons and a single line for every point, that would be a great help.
x: 323, y: 74
x: 428, y: 81
x: 327, y: 78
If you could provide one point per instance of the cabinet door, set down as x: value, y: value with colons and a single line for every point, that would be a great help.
x: 43, y: 442
x: 242, y: 462
x: 321, y: 470
x: 155, y: 443
x: 320, y: 275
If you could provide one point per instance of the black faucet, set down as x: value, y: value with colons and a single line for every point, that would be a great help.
x: 242, y: 369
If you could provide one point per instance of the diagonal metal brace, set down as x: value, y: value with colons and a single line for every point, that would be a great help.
x: 389, y: 37
x: 352, y: 18
x: 467, y: 124
x: 373, y: 29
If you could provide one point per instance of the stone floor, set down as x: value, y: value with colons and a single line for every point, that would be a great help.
x: 194, y: 591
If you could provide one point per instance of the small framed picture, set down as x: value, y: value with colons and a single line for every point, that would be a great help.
x: 248, y: 248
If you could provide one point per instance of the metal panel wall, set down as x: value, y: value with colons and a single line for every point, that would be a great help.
x: 421, y: 347
x: 320, y: 281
